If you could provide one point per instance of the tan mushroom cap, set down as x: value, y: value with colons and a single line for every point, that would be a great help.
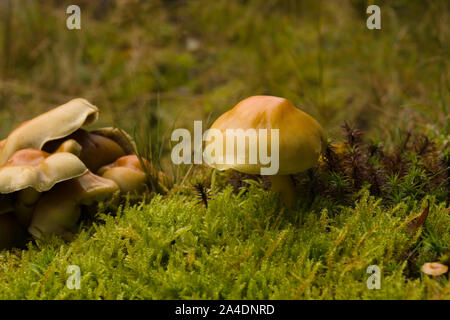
x: 127, y: 172
x: 301, y: 138
x: 59, y: 210
x: 434, y: 268
x: 30, y: 168
x: 52, y: 125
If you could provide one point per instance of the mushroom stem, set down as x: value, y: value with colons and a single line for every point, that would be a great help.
x: 59, y: 210
x: 284, y: 185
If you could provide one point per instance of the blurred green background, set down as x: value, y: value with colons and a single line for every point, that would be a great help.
x: 153, y: 65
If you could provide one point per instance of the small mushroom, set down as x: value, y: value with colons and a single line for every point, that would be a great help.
x: 70, y: 146
x: 59, y: 210
x: 127, y: 172
x: 55, y: 124
x: 301, y: 139
x: 12, y: 234
x: 434, y: 268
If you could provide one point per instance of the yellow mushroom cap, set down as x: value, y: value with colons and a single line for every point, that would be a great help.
x: 434, y: 268
x: 301, y: 138
x: 38, y: 170
x: 52, y: 125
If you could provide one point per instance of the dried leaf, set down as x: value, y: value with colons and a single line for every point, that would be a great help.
x: 416, y: 224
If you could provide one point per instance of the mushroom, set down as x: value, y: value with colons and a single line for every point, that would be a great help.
x: 127, y: 172
x: 123, y: 139
x: 38, y: 170
x: 59, y: 209
x: 12, y: 234
x: 434, y: 268
x: 47, y: 165
x: 70, y: 146
x: 29, y: 172
x: 95, y: 150
x: 55, y: 124
x: 24, y: 203
x: 301, y: 139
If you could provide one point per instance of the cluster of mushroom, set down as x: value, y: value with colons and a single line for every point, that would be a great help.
x: 50, y: 167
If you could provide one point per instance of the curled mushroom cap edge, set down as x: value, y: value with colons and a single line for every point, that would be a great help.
x: 52, y: 125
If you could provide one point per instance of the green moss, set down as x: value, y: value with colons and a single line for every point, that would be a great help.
x: 241, y: 247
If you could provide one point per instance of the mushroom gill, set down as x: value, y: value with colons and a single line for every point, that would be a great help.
x: 96, y: 150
